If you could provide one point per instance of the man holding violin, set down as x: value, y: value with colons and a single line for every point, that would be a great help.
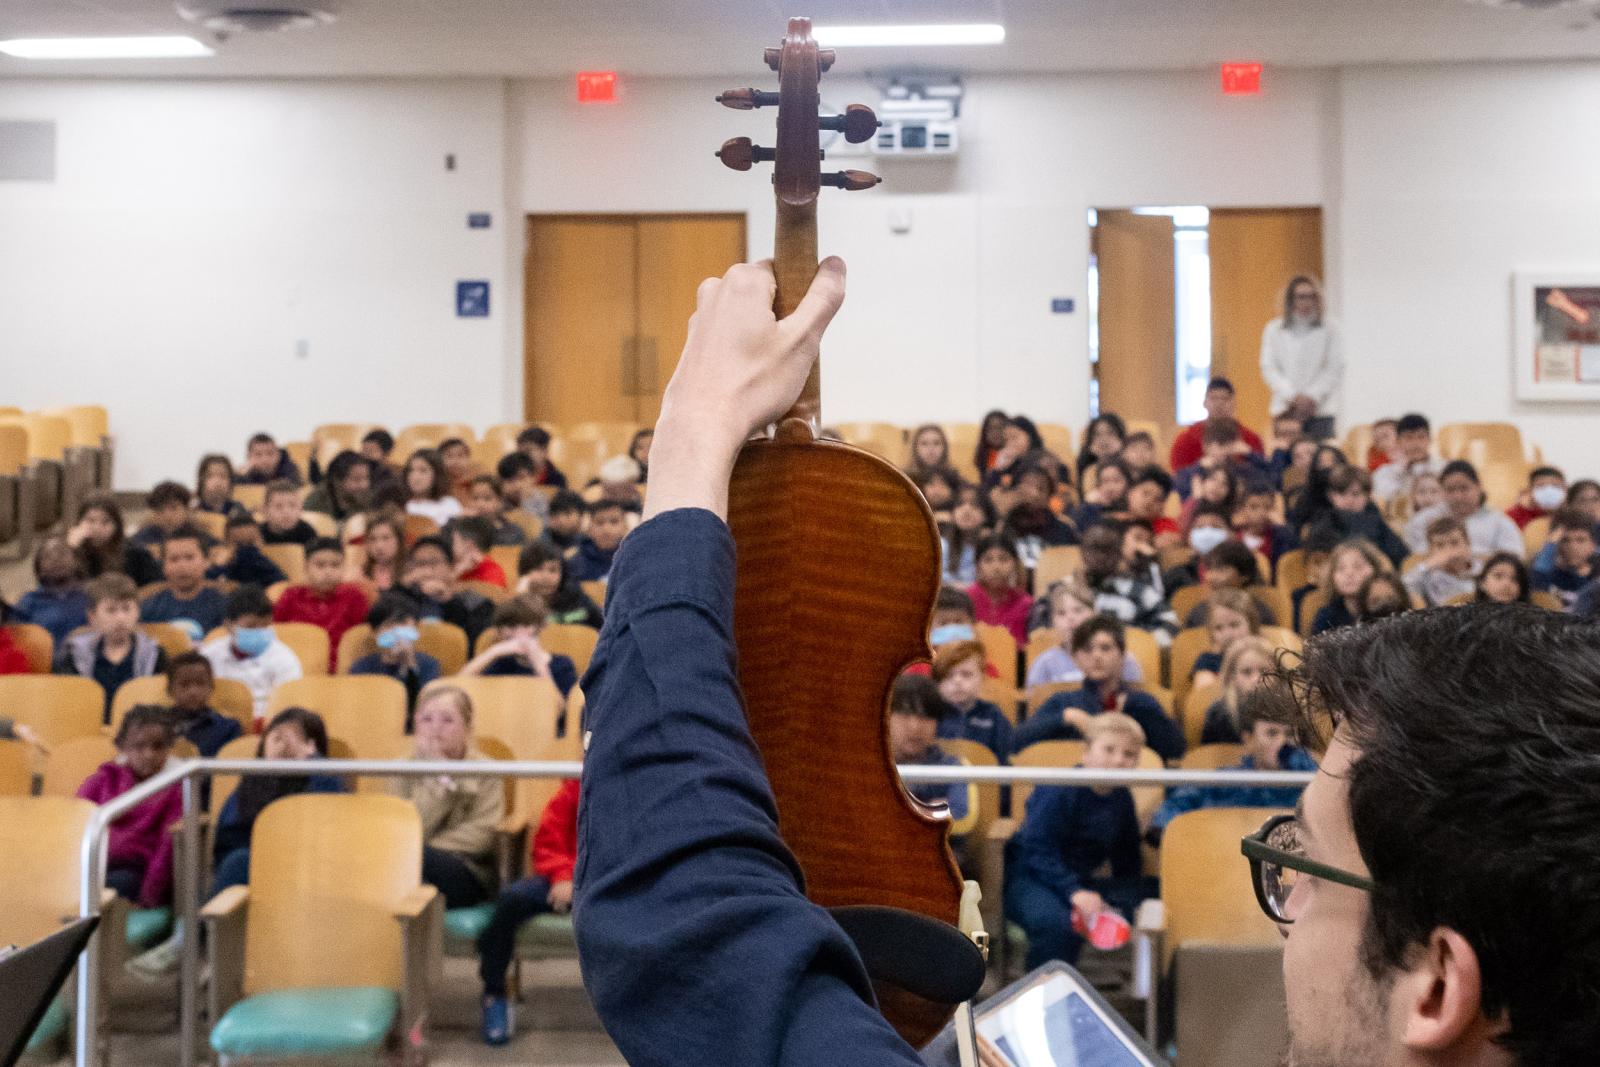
x: 1436, y: 890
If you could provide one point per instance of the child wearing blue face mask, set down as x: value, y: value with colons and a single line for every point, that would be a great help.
x: 394, y: 625
x: 251, y: 652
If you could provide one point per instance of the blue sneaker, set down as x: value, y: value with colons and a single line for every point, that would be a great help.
x: 496, y: 1020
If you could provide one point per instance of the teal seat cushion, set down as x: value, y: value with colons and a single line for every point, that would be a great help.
x: 51, y: 1028
x: 147, y: 926
x: 548, y: 932
x: 307, y: 1022
x: 466, y: 924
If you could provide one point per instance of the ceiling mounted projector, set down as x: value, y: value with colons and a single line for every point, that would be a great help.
x: 239, y: 16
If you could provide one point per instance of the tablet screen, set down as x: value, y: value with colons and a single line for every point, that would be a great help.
x: 1054, y: 1025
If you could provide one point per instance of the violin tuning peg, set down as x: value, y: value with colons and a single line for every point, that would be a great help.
x: 747, y: 99
x: 858, y: 123
x: 825, y: 58
x: 738, y: 153
x: 772, y: 56
x: 851, y: 180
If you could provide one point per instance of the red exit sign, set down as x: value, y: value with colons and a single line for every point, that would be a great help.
x: 597, y: 86
x: 1241, y: 79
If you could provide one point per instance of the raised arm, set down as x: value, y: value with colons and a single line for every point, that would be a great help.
x: 696, y: 940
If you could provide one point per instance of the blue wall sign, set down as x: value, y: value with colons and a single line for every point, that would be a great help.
x: 1062, y: 305
x: 479, y: 220
x: 472, y: 300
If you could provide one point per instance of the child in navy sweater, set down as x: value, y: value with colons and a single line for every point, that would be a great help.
x: 191, y: 681
x: 1099, y: 645
x: 394, y: 628
x: 608, y: 524
x: 517, y: 650
x: 1068, y: 834
x: 958, y: 672
x: 915, y: 714
x: 59, y: 604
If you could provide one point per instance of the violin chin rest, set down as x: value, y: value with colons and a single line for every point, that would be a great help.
x: 923, y: 956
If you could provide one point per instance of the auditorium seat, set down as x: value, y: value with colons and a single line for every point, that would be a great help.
x: 880, y: 438
x: 986, y: 840
x: 16, y: 768
x: 1211, y: 757
x: 1000, y: 649
x: 290, y: 558
x: 1219, y: 953
x: 253, y: 497
x: 509, y: 557
x: 1192, y: 710
x: 49, y: 437
x: 430, y: 435
x: 229, y: 697
x: 33, y: 642
x: 444, y: 641
x: 18, y: 492
x: 1055, y: 563
x: 576, y: 642
x: 326, y: 954
x: 1040, y: 641
x: 366, y: 713
x: 497, y: 442
x: 223, y: 785
x: 40, y: 837
x: 57, y: 706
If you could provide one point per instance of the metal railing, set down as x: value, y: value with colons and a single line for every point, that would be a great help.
x: 189, y: 773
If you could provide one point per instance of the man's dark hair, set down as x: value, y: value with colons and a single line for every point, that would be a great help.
x: 380, y: 437
x: 1154, y: 474
x: 537, y: 436
x: 392, y: 607
x: 514, y: 465
x: 1411, y: 422
x: 324, y: 544
x: 247, y: 600
x: 1220, y: 383
x: 1473, y: 801
x: 1084, y: 632
x: 566, y: 500
x: 952, y: 599
x: 168, y: 493
x: 476, y: 529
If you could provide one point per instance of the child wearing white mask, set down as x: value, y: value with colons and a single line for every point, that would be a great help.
x: 251, y: 651
x: 394, y: 630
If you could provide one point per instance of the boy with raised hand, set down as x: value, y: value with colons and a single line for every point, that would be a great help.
x: 113, y: 650
x: 1068, y: 835
x: 1098, y: 646
x: 1448, y: 571
x: 325, y: 600
x: 250, y: 652
x: 187, y: 601
x: 1573, y: 565
x: 1268, y: 746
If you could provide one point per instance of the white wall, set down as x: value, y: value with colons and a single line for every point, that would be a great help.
x: 954, y: 316
x: 198, y: 230
x: 1453, y: 177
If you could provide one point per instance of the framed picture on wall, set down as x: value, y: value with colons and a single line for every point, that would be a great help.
x: 1556, y: 331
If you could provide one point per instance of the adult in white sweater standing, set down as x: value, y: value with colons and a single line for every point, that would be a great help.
x: 1300, y: 360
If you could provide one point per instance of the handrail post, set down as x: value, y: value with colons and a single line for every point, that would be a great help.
x: 188, y: 920
x: 86, y: 1025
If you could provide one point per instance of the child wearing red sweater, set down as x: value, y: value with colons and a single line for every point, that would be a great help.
x: 139, y: 852
x: 998, y: 597
x: 554, y: 854
x: 324, y: 600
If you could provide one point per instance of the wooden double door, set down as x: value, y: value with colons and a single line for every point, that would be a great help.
x: 607, y: 302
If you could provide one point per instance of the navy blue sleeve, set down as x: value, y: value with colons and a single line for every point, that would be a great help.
x: 1046, y: 827
x: 1046, y: 724
x: 563, y: 673
x: 1127, y: 861
x: 696, y: 942
x: 1161, y: 733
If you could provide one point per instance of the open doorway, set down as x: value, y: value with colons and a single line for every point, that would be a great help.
x: 1178, y: 294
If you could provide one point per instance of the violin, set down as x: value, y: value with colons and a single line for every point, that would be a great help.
x: 838, y: 570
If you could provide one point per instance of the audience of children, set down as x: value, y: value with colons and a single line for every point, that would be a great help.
x: 1349, y: 567
x: 1099, y: 645
x: 97, y: 535
x: 1071, y: 603
x: 346, y: 489
x: 958, y: 669
x: 917, y: 718
x: 1231, y: 614
x: 326, y: 599
x: 1068, y: 835
x: 250, y: 652
x: 113, y: 649
x: 534, y: 442
x: 1572, y: 565
x: 1488, y: 530
x: 564, y: 526
x: 265, y: 462
x: 186, y: 602
x: 471, y: 538
x: 1382, y: 595
x: 394, y: 630
x: 1119, y: 593
x: 191, y: 681
x: 430, y: 579
x: 516, y: 650
x: 971, y: 520
x: 1221, y: 405
x: 597, y: 547
x: 998, y: 595
x: 213, y: 487
x: 1503, y: 580
x: 1352, y: 514
x: 485, y: 501
x: 282, y: 522
x: 170, y: 511
x: 545, y: 574
x: 383, y: 553
x: 428, y: 489
x: 1547, y: 491
x: 1412, y: 457
x: 460, y: 815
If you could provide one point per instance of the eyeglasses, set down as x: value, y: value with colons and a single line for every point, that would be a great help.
x: 1278, y: 862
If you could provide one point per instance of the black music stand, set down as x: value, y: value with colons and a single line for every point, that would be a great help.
x: 31, y: 977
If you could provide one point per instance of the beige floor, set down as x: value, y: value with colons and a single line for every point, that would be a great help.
x: 555, y: 1026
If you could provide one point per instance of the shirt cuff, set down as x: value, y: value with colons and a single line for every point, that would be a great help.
x: 681, y: 556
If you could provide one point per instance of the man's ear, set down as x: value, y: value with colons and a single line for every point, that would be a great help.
x: 1438, y: 998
